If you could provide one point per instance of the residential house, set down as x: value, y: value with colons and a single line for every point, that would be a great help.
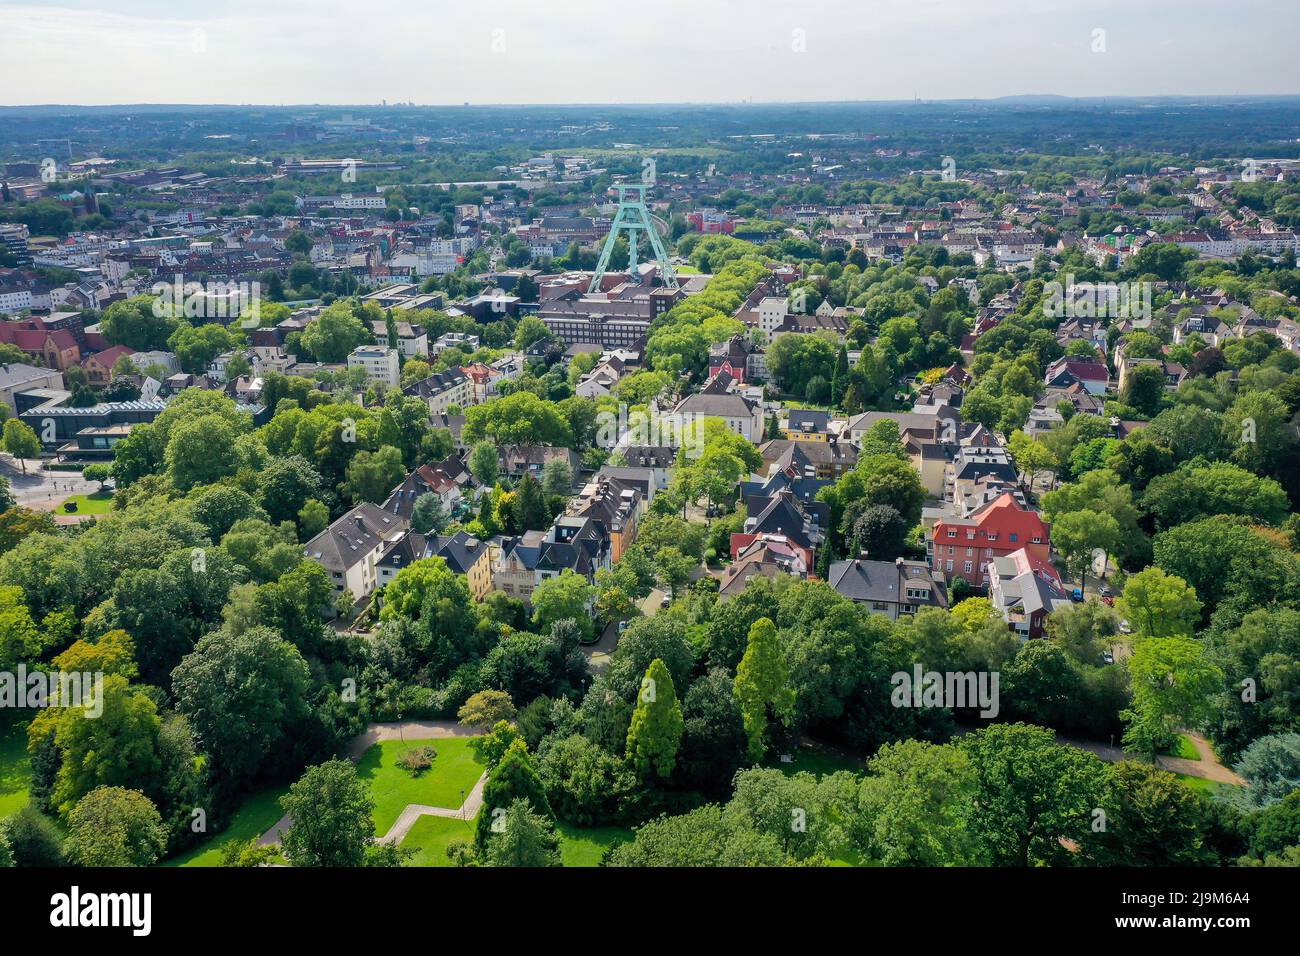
x: 425, y: 480
x: 1065, y: 371
x: 1025, y: 590
x: 517, y: 460
x: 615, y: 505
x: 443, y: 391
x: 463, y: 553
x: 766, y: 557
x: 784, y: 518
x: 715, y: 400
x: 961, y: 543
x: 350, y: 548
x: 99, y: 367
x: 892, y: 588
x: 381, y: 363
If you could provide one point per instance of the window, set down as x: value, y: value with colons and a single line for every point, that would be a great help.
x: 1036, y: 539
x: 966, y: 568
x: 970, y: 552
x: 950, y: 567
x: 952, y: 533
x: 1012, y: 537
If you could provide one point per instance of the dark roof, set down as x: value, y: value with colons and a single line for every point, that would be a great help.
x: 886, y: 581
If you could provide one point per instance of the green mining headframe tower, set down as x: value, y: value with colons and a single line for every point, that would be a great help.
x: 633, y: 218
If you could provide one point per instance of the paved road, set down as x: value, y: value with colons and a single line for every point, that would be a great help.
x: 599, y: 652
x: 42, y: 489
x: 406, y: 730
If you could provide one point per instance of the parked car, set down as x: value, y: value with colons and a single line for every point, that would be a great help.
x: 1108, y: 657
x: 668, y: 599
x: 1125, y: 627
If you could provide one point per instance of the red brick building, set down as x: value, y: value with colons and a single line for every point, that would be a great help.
x: 964, y: 546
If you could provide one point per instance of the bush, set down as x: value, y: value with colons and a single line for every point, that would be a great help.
x: 417, y: 760
x: 33, y: 840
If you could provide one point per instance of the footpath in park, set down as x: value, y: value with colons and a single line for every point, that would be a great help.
x: 1207, y: 768
x: 397, y: 730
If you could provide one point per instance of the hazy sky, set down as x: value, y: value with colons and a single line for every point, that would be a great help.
x: 612, y: 51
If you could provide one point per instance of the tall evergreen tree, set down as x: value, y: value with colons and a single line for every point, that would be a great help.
x: 530, y: 505
x: 840, y: 377
x: 656, y: 729
x: 390, y: 324
x: 761, y: 685
x: 527, y: 839
x: 513, y: 779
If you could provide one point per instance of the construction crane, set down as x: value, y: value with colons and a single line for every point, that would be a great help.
x: 633, y: 218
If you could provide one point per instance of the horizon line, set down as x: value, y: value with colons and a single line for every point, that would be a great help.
x: 915, y: 101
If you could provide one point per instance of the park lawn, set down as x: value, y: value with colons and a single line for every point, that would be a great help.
x: 99, y: 503
x: 431, y: 836
x: 15, y: 769
x: 260, y: 812
x: 1184, y: 749
x: 579, y: 846
x: 455, y: 769
x: 1210, y: 788
x: 584, y: 846
x: 819, y: 762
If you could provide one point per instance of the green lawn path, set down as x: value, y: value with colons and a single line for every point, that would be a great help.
x: 455, y: 769
x: 260, y: 812
x: 579, y: 846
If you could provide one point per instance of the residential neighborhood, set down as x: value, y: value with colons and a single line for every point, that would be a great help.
x: 864, y: 478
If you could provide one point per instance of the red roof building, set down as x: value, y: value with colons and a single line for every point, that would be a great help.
x: 964, y: 546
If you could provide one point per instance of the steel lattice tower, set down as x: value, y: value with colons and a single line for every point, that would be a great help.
x: 633, y: 218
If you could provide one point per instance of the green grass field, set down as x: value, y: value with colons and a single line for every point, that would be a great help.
x: 456, y: 768
x: 431, y: 836
x: 1184, y: 749
x: 584, y: 846
x: 579, y: 846
x: 99, y: 503
x: 807, y: 760
x: 258, y: 814
x: 15, y: 769
x: 1208, y: 787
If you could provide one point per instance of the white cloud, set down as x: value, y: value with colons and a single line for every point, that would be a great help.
x: 358, y: 51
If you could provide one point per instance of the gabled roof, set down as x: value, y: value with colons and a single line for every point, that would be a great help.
x: 349, y: 539
x: 887, y: 581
